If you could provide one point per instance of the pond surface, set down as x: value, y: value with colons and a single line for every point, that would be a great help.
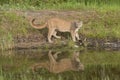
x: 68, y: 64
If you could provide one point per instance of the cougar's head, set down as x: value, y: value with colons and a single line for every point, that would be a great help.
x: 79, y: 24
x: 77, y: 65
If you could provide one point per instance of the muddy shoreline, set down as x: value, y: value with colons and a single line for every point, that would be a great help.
x: 39, y: 41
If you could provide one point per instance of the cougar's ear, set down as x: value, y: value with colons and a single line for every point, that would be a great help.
x: 80, y: 24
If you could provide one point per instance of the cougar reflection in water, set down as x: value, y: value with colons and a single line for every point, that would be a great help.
x: 62, y: 65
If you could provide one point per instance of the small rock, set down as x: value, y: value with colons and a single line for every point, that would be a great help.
x: 76, y: 46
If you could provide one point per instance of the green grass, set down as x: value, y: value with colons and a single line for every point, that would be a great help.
x: 102, y: 25
x: 102, y: 5
x: 11, y: 25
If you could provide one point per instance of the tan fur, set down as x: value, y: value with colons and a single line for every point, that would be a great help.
x: 56, y: 24
x: 62, y: 65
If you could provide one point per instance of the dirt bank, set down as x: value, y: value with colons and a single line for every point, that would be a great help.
x: 38, y: 38
x: 40, y: 41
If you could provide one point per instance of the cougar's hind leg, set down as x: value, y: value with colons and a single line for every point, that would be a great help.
x: 56, y: 55
x: 50, y: 33
x: 52, y: 59
x: 55, y: 35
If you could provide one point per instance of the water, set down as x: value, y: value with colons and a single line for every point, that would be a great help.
x: 59, y: 65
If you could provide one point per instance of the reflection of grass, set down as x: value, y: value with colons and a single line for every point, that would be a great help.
x: 1, y: 74
x: 92, y: 72
x: 101, y: 58
x: 97, y: 65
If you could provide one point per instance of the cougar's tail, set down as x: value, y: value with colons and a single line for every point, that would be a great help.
x: 37, y: 26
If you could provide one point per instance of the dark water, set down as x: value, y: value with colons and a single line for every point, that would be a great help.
x: 59, y: 65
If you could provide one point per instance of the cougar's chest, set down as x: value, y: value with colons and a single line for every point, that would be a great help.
x: 74, y: 27
x: 76, y: 30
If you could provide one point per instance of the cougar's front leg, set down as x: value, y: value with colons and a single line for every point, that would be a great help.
x: 77, y: 36
x: 73, y: 36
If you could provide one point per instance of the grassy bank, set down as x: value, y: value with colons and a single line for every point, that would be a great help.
x: 11, y: 25
x: 98, y: 24
x: 101, y: 17
x: 103, y: 5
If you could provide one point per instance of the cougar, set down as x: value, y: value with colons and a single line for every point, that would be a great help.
x: 57, y: 24
x: 64, y: 64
